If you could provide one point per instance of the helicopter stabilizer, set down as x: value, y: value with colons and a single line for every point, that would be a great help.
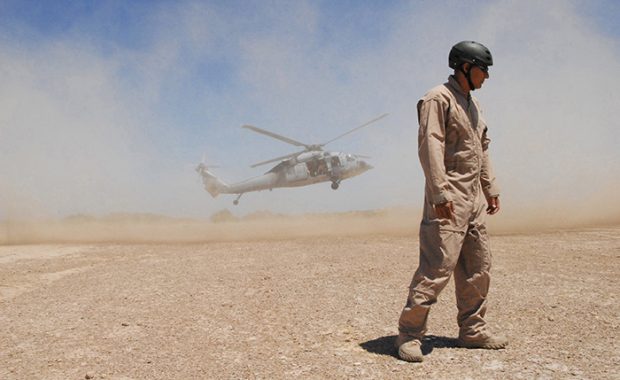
x: 213, y: 185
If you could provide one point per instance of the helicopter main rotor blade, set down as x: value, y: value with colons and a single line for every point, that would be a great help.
x: 355, y: 129
x: 277, y: 159
x: 274, y: 135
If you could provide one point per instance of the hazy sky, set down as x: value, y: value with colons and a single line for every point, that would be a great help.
x: 107, y: 106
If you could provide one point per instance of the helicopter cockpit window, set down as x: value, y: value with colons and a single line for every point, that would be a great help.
x: 312, y: 166
x: 335, y: 161
x: 322, y: 167
x: 317, y: 167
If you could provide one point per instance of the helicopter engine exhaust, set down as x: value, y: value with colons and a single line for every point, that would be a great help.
x: 213, y: 185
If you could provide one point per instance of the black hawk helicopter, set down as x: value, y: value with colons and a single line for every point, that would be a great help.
x: 309, y: 166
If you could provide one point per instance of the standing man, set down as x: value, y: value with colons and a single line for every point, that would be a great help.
x: 460, y: 186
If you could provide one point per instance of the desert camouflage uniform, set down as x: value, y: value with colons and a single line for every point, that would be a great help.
x: 452, y: 146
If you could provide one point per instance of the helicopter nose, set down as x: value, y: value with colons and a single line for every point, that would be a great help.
x: 365, y: 166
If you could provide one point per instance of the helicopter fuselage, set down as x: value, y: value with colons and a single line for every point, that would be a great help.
x: 306, y: 169
x: 311, y: 165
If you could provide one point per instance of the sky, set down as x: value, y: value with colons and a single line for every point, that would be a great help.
x: 108, y: 106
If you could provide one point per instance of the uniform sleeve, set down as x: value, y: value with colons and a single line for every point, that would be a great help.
x: 487, y: 176
x: 431, y: 148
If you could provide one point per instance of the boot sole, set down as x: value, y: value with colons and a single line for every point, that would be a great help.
x: 484, y: 346
x: 410, y: 358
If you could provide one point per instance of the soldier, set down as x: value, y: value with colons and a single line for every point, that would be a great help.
x: 460, y: 186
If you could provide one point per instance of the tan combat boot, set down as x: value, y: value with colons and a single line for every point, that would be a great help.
x: 487, y: 341
x: 409, y: 348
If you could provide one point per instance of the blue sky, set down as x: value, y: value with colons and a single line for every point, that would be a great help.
x: 107, y: 106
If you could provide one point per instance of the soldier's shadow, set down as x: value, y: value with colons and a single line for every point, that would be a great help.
x: 385, y: 344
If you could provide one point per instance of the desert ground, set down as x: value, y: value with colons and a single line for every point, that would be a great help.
x: 312, y: 299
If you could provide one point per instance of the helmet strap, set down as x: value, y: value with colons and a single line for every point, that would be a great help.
x: 468, y: 76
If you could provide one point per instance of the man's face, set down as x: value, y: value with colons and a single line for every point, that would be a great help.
x: 478, y: 75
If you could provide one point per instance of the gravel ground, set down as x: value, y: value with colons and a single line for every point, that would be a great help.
x: 312, y: 308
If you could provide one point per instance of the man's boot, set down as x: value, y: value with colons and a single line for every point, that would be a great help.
x: 487, y: 341
x: 409, y: 348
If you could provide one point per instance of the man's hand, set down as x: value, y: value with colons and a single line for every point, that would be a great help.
x: 445, y: 210
x: 493, y: 205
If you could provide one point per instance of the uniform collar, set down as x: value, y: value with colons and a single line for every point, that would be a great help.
x: 454, y: 84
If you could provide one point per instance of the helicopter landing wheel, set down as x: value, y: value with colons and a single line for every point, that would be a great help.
x: 335, y: 185
x: 236, y: 201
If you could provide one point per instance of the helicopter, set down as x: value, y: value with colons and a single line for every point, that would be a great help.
x: 306, y: 167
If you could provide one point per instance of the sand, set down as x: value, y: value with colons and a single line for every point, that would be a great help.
x: 322, y: 302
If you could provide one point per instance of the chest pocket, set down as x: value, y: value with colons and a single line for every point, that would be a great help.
x: 465, y: 135
x: 459, y: 133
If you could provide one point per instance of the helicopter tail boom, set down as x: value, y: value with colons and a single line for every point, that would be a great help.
x: 213, y: 185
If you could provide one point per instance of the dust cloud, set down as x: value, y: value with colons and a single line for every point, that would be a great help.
x: 224, y: 226
x: 93, y: 130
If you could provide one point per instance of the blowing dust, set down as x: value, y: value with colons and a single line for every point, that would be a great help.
x: 223, y: 227
x: 84, y: 131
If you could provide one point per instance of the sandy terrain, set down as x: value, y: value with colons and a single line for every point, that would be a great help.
x: 317, y: 305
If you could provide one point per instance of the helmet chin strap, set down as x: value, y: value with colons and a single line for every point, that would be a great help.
x: 468, y: 76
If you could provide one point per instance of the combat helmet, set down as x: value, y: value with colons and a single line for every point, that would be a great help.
x: 470, y: 52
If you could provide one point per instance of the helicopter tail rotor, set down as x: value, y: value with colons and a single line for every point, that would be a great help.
x: 208, y: 166
x: 212, y: 184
